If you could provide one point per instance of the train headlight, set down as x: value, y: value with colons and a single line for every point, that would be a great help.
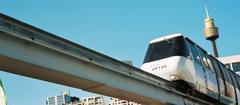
x: 175, y: 77
x: 172, y: 76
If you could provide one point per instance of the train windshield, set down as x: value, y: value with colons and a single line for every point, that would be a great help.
x: 166, y: 48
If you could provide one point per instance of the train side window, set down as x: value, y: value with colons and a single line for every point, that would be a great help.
x: 195, y: 55
x: 232, y: 75
x: 205, y: 59
x: 217, y: 68
x: 201, y: 54
x: 238, y: 80
x: 232, y: 82
x: 210, y: 64
x: 226, y: 76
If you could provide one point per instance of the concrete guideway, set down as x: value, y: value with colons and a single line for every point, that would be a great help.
x: 32, y: 52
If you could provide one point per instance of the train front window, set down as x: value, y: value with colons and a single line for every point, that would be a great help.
x: 166, y: 48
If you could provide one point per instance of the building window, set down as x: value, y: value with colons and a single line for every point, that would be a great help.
x: 236, y: 67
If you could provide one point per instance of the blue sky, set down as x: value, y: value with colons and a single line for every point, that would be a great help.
x: 118, y: 28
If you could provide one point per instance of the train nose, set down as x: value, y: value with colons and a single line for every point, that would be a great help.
x: 164, y: 68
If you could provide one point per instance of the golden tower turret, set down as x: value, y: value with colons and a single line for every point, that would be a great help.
x: 211, y: 32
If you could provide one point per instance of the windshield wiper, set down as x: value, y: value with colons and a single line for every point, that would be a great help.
x: 168, y: 41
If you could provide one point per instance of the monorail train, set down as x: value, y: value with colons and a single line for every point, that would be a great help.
x: 178, y: 59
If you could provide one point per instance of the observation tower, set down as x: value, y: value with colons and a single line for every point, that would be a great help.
x: 211, y: 32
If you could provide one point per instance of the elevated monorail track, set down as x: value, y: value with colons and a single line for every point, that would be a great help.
x: 32, y: 52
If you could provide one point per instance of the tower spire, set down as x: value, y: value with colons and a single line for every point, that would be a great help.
x: 206, y: 10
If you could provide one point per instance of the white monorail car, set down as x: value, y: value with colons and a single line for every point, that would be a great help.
x: 178, y: 59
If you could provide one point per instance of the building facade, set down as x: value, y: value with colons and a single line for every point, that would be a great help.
x: 66, y: 99
x: 95, y: 100
x: 232, y: 62
x: 62, y: 99
x: 3, y: 99
x: 116, y: 101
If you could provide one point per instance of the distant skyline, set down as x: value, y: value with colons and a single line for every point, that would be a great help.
x: 120, y: 29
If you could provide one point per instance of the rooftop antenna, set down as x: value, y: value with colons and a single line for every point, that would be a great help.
x: 211, y: 32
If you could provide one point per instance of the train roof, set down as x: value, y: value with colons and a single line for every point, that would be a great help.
x: 165, y: 37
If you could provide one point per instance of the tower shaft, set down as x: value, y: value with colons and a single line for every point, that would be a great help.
x: 214, y: 46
